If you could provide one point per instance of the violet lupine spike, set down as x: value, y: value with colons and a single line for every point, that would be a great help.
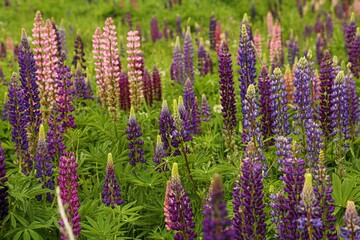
x: 205, y: 109
x: 154, y: 28
x: 201, y: 54
x: 191, y: 106
x: 323, y: 193
x: 159, y: 155
x: 135, y: 66
x: 216, y: 224
x: 156, y: 82
x: 354, y: 106
x: 188, y: 57
x: 315, y: 85
x: 29, y: 86
x: 111, y: 190
x: 245, y: 21
x: 284, y: 149
x: 99, y: 66
x: 319, y: 26
x: 165, y: 30
x: 147, y: 87
x: 246, y: 61
x: 177, y: 65
x: 124, y: 91
x: 314, y: 142
x: 351, y: 230
x: 278, y: 104
x: 54, y: 138
x: 112, y: 67
x: 135, y: 146
x: 327, y: 77
x: 44, y: 166
x: 79, y: 54
x: 4, y: 204
x: 68, y: 183
x: 209, y: 68
x: 212, y: 28
x: 179, y: 208
x: 18, y: 120
x: 350, y: 34
x: 178, y: 27
x: 329, y: 27
x: 354, y: 55
x: 249, y: 216
x: 320, y: 48
x: 79, y: 82
x: 293, y: 49
x: 258, y: 43
x: 265, y: 110
x: 185, y: 125
x: 167, y: 129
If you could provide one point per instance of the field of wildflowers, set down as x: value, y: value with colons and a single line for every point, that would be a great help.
x: 175, y: 119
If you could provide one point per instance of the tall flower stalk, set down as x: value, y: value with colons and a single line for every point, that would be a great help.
x: 135, y: 146
x: 192, y: 107
x: 177, y: 66
x: 188, y: 56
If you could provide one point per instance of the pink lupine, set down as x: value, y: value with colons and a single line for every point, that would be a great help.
x: 257, y: 43
x: 289, y: 83
x: 270, y: 24
x: 276, y: 52
x: 112, y: 65
x: 218, y: 36
x: 135, y: 67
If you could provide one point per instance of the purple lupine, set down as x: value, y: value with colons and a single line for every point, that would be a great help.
x: 327, y: 77
x: 156, y: 83
x: 205, y: 109
x: 319, y: 25
x: 167, y: 129
x: 44, y: 166
x: 124, y: 91
x: 159, y: 156
x: 79, y: 82
x: 4, y: 204
x: 351, y: 230
x: 246, y: 60
x: 309, y: 221
x: 293, y: 49
x: 177, y: 65
x: 354, y: 106
x: 191, y: 106
x: 320, y: 48
x: 209, y: 68
x: 314, y: 142
x: 79, y: 54
x: 165, y: 30
x: 30, y: 89
x: 212, y: 28
x: 354, y: 55
x: 350, y: 34
x: 179, y: 209
x: 135, y: 146
x: 249, y: 216
x: 111, y: 192
x: 178, y: 27
x: 279, y: 104
x: 147, y: 87
x: 216, y: 224
x: 329, y: 27
x: 201, y: 54
x: 323, y: 193
x: 182, y: 121
x: 265, y: 110
x: 283, y: 145
x: 54, y: 138
x: 245, y: 21
x: 68, y: 184
x: 18, y: 119
x: 154, y: 29
x: 188, y: 56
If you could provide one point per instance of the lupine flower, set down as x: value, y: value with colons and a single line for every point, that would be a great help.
x: 320, y: 48
x: 99, y: 66
x: 4, y: 205
x: 354, y: 55
x: 79, y: 54
x: 293, y: 49
x: 258, y: 43
x: 124, y: 91
x: 249, y: 216
x: 327, y: 78
x: 191, y: 106
x: 167, y: 128
x: 208, y: 67
x: 167, y: 214
x: 111, y: 192
x: 270, y: 23
x: 205, y: 109
x: 188, y: 56
x: 2, y: 50
x: 44, y: 166
x: 246, y: 22
x: 354, y: 106
x: 289, y: 82
x: 246, y: 61
x: 276, y: 52
x: 177, y: 65
x: 18, y: 120
x: 350, y: 34
x: 201, y: 54
x: 147, y: 87
x: 265, y: 110
x: 67, y: 180
x: 212, y: 28
x: 135, y: 146
x: 81, y: 90
x: 179, y: 209
x: 154, y: 29
x: 284, y: 150
x: 156, y: 83
x: 60, y: 37
x: 165, y: 30
x: 319, y: 26
x: 5, y: 110
x: 329, y: 27
x: 54, y: 138
x: 323, y: 193
x: 314, y: 141
x: 159, y: 156
x: 218, y: 36
x: 278, y: 104
x: 178, y: 27
x: 351, y: 230
x: 216, y: 224
x: 184, y: 125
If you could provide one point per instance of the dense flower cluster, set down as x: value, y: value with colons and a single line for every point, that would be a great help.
x: 133, y: 131
x: 191, y: 106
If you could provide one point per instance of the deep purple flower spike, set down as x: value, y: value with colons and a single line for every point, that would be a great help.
x: 205, y: 109
x: 188, y: 56
x: 191, y: 106
x: 156, y: 82
x: 135, y: 146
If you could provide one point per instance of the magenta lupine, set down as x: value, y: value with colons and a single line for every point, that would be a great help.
x: 99, y: 66
x: 44, y: 166
x: 177, y: 66
x: 354, y: 105
x: 264, y: 104
x: 159, y: 155
x: 246, y: 60
x: 4, y: 204
x: 111, y: 189
x: 249, y: 215
x: 354, y: 58
x: 205, y: 109
x: 156, y: 82
x: 18, y: 120
x: 212, y: 28
x: 188, y: 56
x: 68, y: 182
x: 351, y: 230
x: 216, y: 224
x: 135, y: 145
x: 201, y: 55
x: 79, y: 54
x: 148, y: 88
x: 135, y: 69
x: 154, y: 28
x: 191, y: 106
x: 178, y: 208
x: 124, y: 91
x: 350, y: 34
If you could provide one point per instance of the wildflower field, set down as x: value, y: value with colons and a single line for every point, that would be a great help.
x: 180, y: 119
